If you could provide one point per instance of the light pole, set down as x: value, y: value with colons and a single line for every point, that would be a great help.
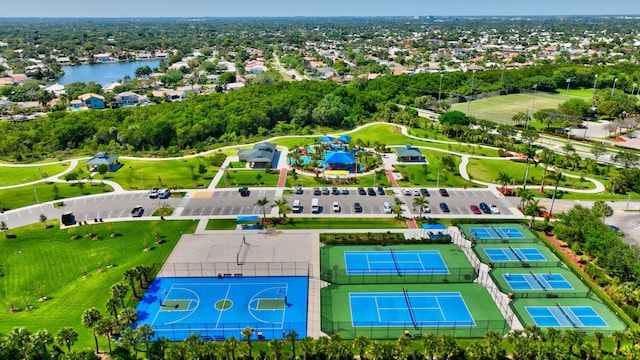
x: 502, y: 78
x: 533, y: 106
x: 615, y: 80
x: 440, y: 89
x: 568, y: 84
x: 595, y: 81
x: 473, y: 78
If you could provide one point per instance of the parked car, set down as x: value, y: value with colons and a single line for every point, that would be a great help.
x: 386, y: 208
x: 336, y: 206
x: 335, y: 191
x: 296, y: 208
x: 371, y: 191
x: 475, y: 209
x: 244, y: 191
x: 494, y: 209
x: 298, y: 191
x: 485, y: 208
x: 443, y: 192
x: 444, y: 207
x: 164, y: 193
x: 325, y: 191
x: 357, y: 207
x: 153, y: 193
x: 137, y: 211
x: 426, y: 209
x: 416, y: 192
x: 68, y: 218
x: 344, y: 191
x: 316, y: 191
x: 406, y: 192
x: 381, y: 190
x: 362, y: 191
x: 425, y: 192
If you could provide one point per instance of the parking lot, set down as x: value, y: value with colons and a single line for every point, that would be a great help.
x: 229, y: 202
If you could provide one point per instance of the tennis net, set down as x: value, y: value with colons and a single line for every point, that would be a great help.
x: 395, y: 261
x: 413, y: 317
x: 537, y: 280
x: 515, y: 253
x: 566, y: 315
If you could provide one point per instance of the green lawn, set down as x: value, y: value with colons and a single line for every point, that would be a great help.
x: 380, y: 179
x: 342, y: 223
x: 501, y: 109
x: 381, y: 133
x: 49, y: 257
x: 427, y: 174
x: 25, y: 195
x: 221, y: 224
x: 176, y: 174
x: 235, y: 178
x: 488, y: 170
x: 12, y: 175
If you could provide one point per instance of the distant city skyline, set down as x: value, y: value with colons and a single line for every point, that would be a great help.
x: 285, y: 8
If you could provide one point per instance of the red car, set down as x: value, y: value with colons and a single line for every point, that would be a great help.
x: 475, y: 209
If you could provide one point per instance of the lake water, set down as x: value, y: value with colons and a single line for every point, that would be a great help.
x: 102, y: 74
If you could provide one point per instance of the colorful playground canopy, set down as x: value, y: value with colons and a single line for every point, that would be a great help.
x: 344, y: 138
x: 327, y: 139
x: 339, y: 158
x: 243, y: 218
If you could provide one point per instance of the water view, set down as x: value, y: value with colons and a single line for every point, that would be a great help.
x: 102, y: 74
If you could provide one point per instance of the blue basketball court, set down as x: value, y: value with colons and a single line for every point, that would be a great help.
x: 405, y: 309
x: 402, y: 262
x: 217, y: 308
x: 514, y: 254
x: 533, y: 281
x: 497, y: 233
x: 565, y: 316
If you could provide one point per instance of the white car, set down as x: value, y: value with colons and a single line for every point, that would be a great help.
x: 416, y: 192
x: 494, y: 209
x: 386, y: 208
x: 426, y: 209
x: 406, y: 192
x: 336, y: 207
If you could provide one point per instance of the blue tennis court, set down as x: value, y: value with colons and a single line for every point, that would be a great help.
x: 565, y: 316
x: 514, y: 254
x: 416, y: 308
x: 407, y: 262
x: 497, y: 233
x: 217, y: 308
x: 533, y: 281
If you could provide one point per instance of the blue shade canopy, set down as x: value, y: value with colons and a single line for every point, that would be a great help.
x: 247, y: 218
x: 344, y: 138
x: 434, y: 227
x: 327, y: 139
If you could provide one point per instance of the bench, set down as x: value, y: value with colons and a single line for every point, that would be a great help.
x: 219, y: 337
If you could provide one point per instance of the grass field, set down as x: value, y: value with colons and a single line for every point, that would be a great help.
x: 177, y: 174
x: 488, y: 170
x: 260, y: 178
x: 12, y: 175
x: 49, y: 257
x: 342, y: 223
x: 25, y: 195
x: 380, y: 179
x: 416, y: 174
x: 221, y: 224
x: 501, y: 109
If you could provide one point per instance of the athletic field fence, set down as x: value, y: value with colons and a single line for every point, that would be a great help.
x: 228, y: 269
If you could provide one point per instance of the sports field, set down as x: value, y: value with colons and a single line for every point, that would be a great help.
x: 501, y: 109
x: 503, y: 255
x: 387, y: 311
x: 218, y: 308
x: 498, y: 233
x: 394, y: 264
x: 539, y: 282
x: 584, y: 314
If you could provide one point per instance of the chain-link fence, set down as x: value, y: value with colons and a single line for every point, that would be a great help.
x: 222, y: 331
x: 229, y: 269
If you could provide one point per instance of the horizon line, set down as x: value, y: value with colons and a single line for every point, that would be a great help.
x: 321, y: 16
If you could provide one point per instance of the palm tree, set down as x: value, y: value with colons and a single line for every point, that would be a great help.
x: 128, y: 316
x: 263, y: 203
x: 144, y: 332
x: 361, y: 343
x: 128, y: 340
x: 477, y: 351
x: 38, y: 342
x: 307, y: 344
x: 119, y: 291
x: 322, y: 346
x: 525, y: 195
x: 336, y: 346
x: 90, y: 318
x: 598, y: 336
x: 573, y: 338
x: 112, y: 307
x: 248, y: 333
x: 430, y: 345
x: 276, y: 346
x: 282, y: 206
x: 552, y: 335
x: 493, y: 341
x: 558, y: 177
x: 105, y: 327
x: 18, y: 338
x: 67, y: 336
x: 534, y: 209
x: 291, y: 337
x: 143, y: 274
x: 448, y: 345
x: 530, y: 153
x: 131, y: 275
x: 504, y: 179
x: 420, y: 202
x: 601, y: 209
x: 403, y: 345
x: 377, y: 351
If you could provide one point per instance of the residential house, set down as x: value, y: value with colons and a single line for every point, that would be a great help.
x: 55, y: 89
x: 88, y: 101
x: 110, y: 87
x: 260, y: 156
x: 128, y: 98
x: 170, y: 95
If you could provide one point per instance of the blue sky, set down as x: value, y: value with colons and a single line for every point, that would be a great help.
x: 224, y: 8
